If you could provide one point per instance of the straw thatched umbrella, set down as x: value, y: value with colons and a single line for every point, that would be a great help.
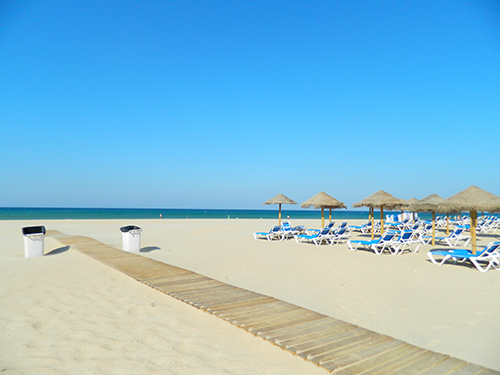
x: 472, y: 199
x: 280, y: 199
x: 429, y: 204
x: 379, y: 199
x: 323, y: 200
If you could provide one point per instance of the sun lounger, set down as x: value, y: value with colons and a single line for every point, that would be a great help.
x: 490, y: 254
x: 487, y: 225
x: 405, y: 240
x: 339, y: 235
x: 401, y: 225
x: 452, y: 240
x: 299, y: 229
x: 274, y: 233
x: 378, y: 246
x: 365, y: 228
x: 286, y: 230
x: 317, y: 238
x: 424, y: 230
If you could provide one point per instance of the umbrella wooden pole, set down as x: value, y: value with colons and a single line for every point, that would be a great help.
x: 473, y: 224
x: 447, y: 224
x: 330, y: 217
x: 373, y: 224
x: 381, y: 220
x: 433, y: 228
x: 279, y: 215
x: 322, y: 217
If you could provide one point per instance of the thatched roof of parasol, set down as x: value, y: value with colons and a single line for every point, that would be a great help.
x: 471, y: 199
x: 280, y: 199
x: 323, y: 200
x: 380, y: 198
x: 427, y: 204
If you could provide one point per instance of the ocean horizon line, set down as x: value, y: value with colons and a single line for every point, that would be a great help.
x: 62, y: 213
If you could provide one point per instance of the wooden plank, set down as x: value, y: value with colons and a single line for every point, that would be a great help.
x: 375, y: 361
x: 185, y: 284
x: 306, y: 332
x: 338, y: 352
x: 421, y: 363
x: 208, y: 293
x: 229, y: 297
x: 357, y: 356
x: 169, y: 272
x: 260, y: 304
x: 248, y: 300
x: 273, y: 313
x: 189, y: 284
x: 336, y: 335
x: 167, y: 276
x: 253, y: 311
x: 283, y: 336
x: 216, y: 288
x: 447, y: 366
x: 266, y: 330
x: 326, y: 345
x: 395, y: 364
x: 201, y: 304
x: 270, y: 321
x: 310, y: 339
x: 468, y: 369
x: 211, y: 296
x: 176, y: 279
x: 144, y: 270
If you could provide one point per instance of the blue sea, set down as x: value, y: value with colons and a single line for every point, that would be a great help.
x: 25, y: 213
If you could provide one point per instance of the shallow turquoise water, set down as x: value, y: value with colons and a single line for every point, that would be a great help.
x: 26, y: 213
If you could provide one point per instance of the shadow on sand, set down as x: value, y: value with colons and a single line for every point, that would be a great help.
x: 59, y: 250
x: 149, y: 249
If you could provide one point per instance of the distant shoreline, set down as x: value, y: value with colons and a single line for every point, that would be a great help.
x: 57, y: 213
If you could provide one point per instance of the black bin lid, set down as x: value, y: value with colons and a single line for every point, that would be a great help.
x: 128, y: 228
x: 34, y: 230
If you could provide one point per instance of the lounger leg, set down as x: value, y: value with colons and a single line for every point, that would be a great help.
x: 479, y: 267
x: 431, y: 257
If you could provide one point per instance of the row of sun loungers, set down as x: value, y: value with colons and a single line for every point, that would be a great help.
x: 327, y: 235
x: 421, y: 230
x: 397, y: 241
x: 280, y: 232
x: 485, y: 224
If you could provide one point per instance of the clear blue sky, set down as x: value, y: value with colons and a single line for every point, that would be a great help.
x: 224, y: 104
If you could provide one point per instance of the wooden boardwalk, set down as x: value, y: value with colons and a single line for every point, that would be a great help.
x: 339, y: 347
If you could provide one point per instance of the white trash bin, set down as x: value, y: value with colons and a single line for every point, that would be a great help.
x: 33, y: 241
x: 131, y: 238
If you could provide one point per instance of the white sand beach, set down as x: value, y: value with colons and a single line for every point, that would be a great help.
x: 66, y: 313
